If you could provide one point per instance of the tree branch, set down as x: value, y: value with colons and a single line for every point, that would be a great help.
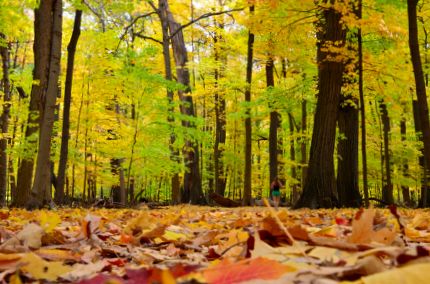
x: 139, y: 35
x: 204, y: 16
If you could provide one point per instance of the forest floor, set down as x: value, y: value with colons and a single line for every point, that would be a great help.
x: 190, y: 244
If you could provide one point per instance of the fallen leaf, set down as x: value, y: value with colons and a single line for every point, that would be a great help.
x: 258, y: 268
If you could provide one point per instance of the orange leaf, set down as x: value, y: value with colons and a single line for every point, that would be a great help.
x: 258, y: 268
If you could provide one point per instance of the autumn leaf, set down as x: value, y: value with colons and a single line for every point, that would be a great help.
x: 258, y: 268
x: 363, y: 232
x: 49, y: 220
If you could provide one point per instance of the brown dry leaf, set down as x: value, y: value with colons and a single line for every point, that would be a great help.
x: 205, y: 238
x: 363, y: 232
x: 79, y: 271
x: 57, y: 254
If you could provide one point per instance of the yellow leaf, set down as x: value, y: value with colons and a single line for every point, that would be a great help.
x: 41, y: 269
x: 411, y: 274
x: 49, y: 220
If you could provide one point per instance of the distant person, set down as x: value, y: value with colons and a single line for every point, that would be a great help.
x: 275, y: 186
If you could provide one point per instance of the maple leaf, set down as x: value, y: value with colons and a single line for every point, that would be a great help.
x: 258, y: 268
x: 363, y: 232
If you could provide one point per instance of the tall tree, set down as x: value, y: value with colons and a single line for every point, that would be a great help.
x: 62, y: 165
x: 423, y: 111
x: 162, y: 14
x: 41, y: 189
x: 192, y: 180
x: 347, y: 148
x: 320, y: 186
x: 4, y: 119
x: 359, y: 13
x: 220, y: 113
x: 387, y: 189
x: 42, y: 50
x: 247, y: 190
x: 274, y: 123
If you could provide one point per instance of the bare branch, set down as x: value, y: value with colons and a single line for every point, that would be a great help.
x: 204, y: 16
x: 139, y: 35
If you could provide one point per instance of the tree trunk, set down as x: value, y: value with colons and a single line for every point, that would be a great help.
x: 274, y: 124
x: 303, y: 144
x: 71, y: 49
x: 42, y: 51
x: 347, y: 148
x: 247, y: 190
x: 320, y: 186
x: 387, y: 189
x: 362, y: 105
x: 405, y: 166
x: 4, y: 119
x: 423, y: 111
x: 174, y: 154
x: 295, y: 192
x: 418, y: 130
x: 192, y: 181
x: 220, y: 117
x: 42, y: 180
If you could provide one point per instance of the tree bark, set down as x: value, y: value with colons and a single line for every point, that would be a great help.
x: 42, y: 50
x: 347, y: 148
x: 42, y: 179
x: 423, y: 111
x: 71, y: 49
x: 4, y: 120
x: 192, y: 180
x: 247, y: 190
x: 320, y: 186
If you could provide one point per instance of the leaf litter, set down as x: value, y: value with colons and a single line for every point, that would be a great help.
x: 191, y: 244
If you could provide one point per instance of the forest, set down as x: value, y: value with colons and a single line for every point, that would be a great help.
x: 177, y: 102
x: 128, y: 129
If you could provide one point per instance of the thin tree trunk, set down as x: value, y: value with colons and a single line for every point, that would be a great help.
x: 362, y: 106
x: 4, y: 119
x: 303, y: 144
x: 42, y: 178
x: 387, y: 189
x: 77, y: 134
x: 71, y: 49
x: 405, y: 166
x: 247, y: 190
x: 320, y: 186
x: 423, y: 111
x: 274, y: 124
x: 295, y: 193
x: 220, y: 117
